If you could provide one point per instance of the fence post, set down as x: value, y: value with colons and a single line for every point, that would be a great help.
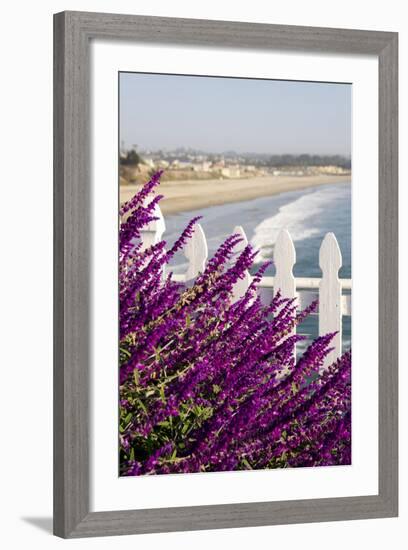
x: 284, y: 257
x: 196, y: 251
x: 241, y: 286
x: 330, y: 262
x: 153, y: 232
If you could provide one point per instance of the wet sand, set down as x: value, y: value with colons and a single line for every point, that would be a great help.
x: 183, y: 196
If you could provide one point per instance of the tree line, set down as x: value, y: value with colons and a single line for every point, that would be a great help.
x: 310, y: 160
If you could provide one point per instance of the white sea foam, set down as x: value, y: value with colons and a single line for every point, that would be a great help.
x: 299, y: 217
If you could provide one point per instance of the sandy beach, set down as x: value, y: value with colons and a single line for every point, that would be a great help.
x: 183, y: 196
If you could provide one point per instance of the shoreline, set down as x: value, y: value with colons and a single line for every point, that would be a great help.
x: 187, y: 195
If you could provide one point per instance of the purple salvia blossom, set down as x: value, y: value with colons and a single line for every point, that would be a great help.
x: 208, y: 384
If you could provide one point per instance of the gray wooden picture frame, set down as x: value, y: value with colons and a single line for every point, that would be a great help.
x: 72, y: 204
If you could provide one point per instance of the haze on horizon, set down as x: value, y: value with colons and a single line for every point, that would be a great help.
x: 216, y: 114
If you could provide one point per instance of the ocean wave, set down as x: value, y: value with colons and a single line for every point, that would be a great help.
x: 300, y: 217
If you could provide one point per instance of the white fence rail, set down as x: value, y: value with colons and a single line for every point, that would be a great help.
x: 328, y: 288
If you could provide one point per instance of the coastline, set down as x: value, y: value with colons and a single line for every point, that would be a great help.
x: 186, y: 195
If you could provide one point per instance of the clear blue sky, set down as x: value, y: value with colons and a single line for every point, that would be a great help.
x: 245, y: 115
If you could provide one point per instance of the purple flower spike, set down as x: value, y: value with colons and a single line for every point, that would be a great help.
x: 211, y: 384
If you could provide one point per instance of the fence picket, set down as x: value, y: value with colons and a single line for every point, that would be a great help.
x: 241, y: 286
x: 196, y: 251
x: 154, y: 230
x: 284, y: 257
x: 330, y: 301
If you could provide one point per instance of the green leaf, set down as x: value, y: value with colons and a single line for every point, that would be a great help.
x: 142, y: 405
x: 246, y: 463
x: 157, y: 353
x: 162, y: 396
x: 125, y: 352
x: 164, y: 424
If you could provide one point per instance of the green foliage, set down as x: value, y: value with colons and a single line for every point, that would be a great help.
x: 132, y: 159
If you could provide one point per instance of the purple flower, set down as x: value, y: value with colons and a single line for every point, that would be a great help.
x: 209, y: 384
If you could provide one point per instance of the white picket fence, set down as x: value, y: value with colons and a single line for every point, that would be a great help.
x: 328, y: 288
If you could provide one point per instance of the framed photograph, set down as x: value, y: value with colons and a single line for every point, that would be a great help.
x: 225, y: 288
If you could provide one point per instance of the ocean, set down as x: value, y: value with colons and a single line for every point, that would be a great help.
x: 307, y: 214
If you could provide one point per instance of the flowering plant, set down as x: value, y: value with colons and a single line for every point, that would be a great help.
x: 211, y: 384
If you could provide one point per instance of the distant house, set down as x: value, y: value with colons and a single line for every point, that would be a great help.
x: 231, y: 172
x: 218, y: 165
x: 184, y: 165
x: 201, y: 166
x: 335, y: 170
x: 293, y: 172
x: 149, y: 162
